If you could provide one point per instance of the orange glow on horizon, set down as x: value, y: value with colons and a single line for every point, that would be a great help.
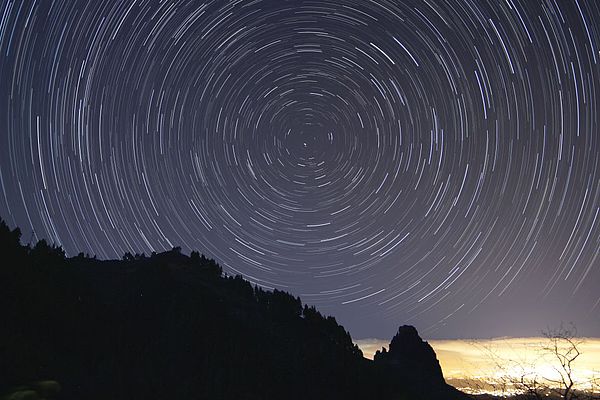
x: 483, y: 365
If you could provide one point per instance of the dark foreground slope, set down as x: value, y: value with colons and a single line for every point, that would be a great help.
x: 171, y: 326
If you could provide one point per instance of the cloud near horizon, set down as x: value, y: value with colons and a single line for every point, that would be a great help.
x: 478, y: 365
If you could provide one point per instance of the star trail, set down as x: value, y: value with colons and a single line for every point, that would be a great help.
x: 424, y: 162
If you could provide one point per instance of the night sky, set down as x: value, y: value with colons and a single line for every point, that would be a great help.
x: 427, y: 162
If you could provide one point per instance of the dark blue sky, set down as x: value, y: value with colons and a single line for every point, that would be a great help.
x: 392, y: 162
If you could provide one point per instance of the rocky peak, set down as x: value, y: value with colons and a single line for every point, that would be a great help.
x: 412, y: 358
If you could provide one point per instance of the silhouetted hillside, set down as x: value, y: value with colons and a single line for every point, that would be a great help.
x: 169, y: 326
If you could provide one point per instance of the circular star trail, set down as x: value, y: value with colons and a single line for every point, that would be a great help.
x: 390, y: 161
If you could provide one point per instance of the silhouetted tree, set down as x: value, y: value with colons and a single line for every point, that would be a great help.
x: 561, y: 349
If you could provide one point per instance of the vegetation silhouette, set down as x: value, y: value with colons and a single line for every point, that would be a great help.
x: 172, y: 326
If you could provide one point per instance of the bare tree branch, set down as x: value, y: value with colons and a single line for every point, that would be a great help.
x: 564, y: 346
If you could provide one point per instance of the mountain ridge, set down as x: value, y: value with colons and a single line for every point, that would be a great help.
x: 172, y: 325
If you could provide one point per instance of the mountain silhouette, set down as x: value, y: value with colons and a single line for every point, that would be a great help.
x: 411, y: 359
x: 172, y: 326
